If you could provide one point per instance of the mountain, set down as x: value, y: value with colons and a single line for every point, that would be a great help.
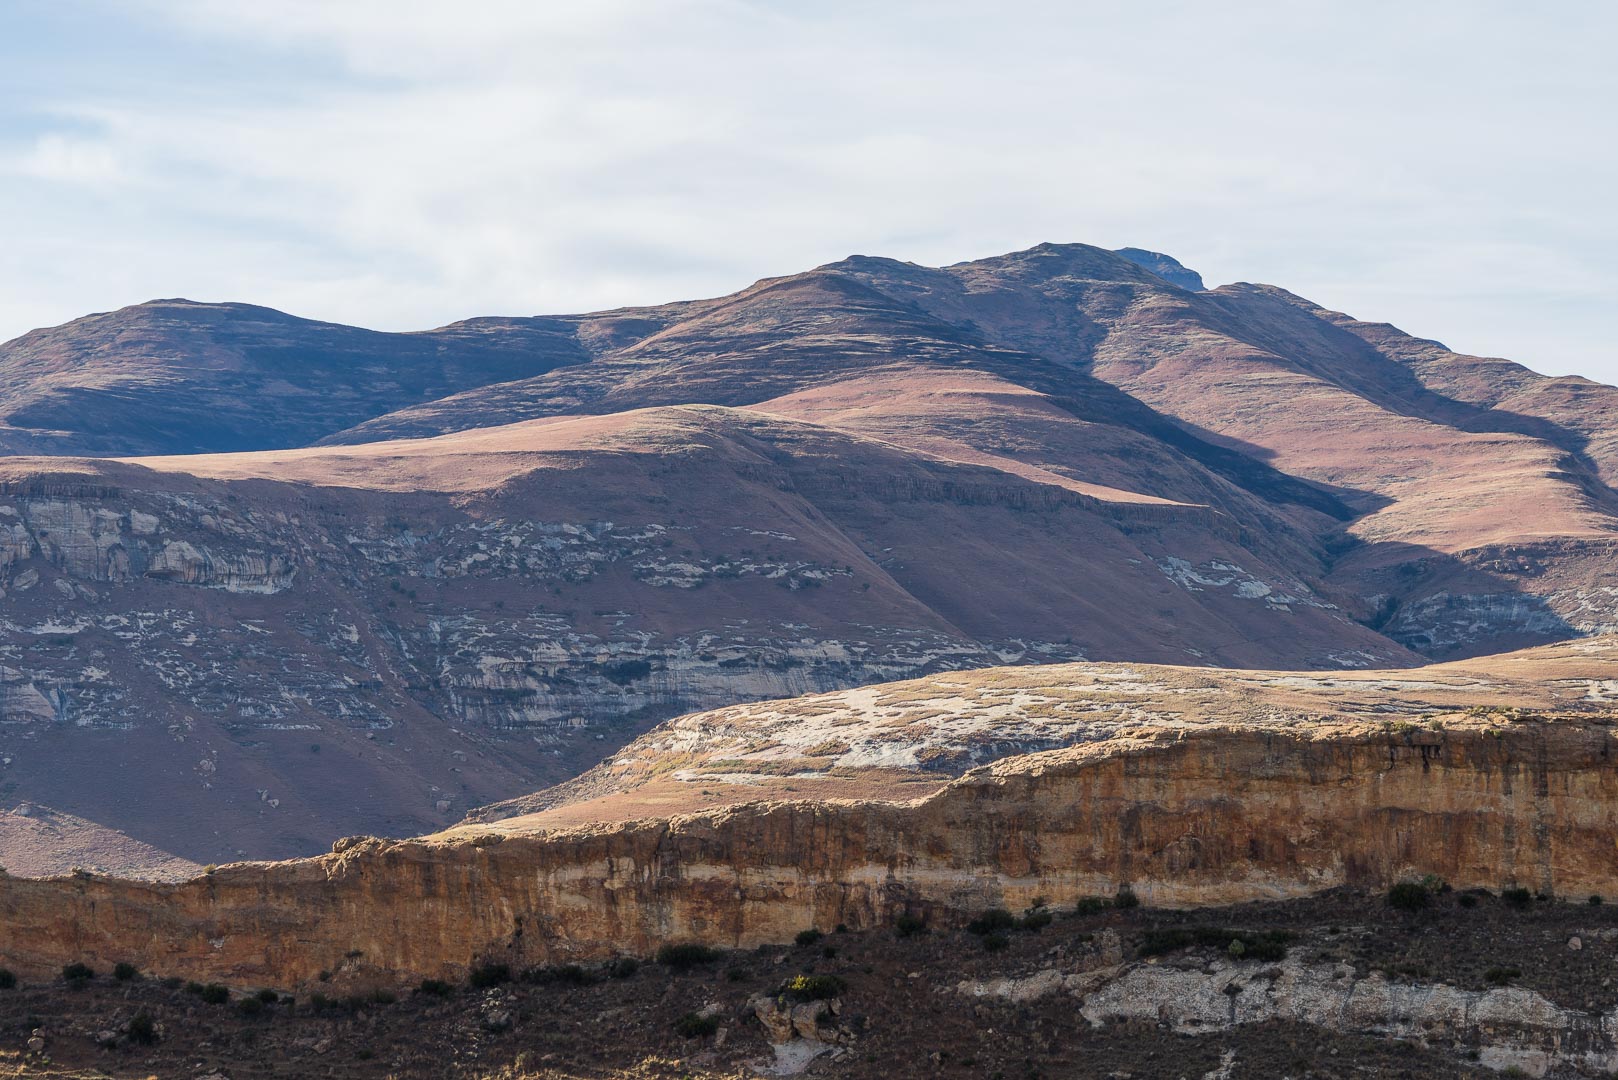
x: 416, y: 573
x: 174, y: 377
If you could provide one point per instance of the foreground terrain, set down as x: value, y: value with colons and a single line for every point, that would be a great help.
x: 1187, y: 786
x: 1348, y: 986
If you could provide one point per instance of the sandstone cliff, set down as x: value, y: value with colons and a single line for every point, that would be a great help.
x: 1183, y: 814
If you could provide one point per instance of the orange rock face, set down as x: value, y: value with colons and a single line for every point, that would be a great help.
x: 1183, y: 818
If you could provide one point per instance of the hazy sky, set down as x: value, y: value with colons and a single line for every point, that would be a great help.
x: 1449, y: 167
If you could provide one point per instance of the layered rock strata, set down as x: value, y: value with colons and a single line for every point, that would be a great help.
x: 1184, y: 817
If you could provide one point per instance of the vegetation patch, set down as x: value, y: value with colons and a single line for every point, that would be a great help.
x: 1265, y: 945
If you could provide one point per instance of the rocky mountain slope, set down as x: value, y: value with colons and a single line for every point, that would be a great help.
x: 1187, y: 786
x: 417, y: 573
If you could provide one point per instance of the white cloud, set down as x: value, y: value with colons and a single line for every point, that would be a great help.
x: 420, y: 162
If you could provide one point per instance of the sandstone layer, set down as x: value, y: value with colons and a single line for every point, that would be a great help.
x: 1184, y: 814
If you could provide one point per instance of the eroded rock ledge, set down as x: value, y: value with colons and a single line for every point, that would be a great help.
x: 1185, y: 818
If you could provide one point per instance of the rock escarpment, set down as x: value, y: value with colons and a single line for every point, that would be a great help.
x: 1184, y: 817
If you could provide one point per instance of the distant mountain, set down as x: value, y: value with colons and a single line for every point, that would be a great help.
x: 175, y: 377
x: 417, y: 572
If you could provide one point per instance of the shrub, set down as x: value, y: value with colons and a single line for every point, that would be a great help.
x: 813, y: 987
x: 142, y: 1031
x: 829, y: 952
x: 992, y: 921
x: 193, y: 988
x: 435, y: 988
x: 1036, y: 919
x: 250, y: 1006
x: 1468, y: 900
x: 8, y: 980
x: 1500, y: 976
x: 622, y: 967
x: 909, y: 926
x: 123, y: 972
x: 319, y: 1002
x: 561, y: 974
x: 214, y: 994
x: 1409, y: 896
x: 1269, y: 945
x: 995, y: 942
x: 684, y: 957
x: 485, y: 975
x: 380, y: 996
x: 1125, y: 899
x: 1091, y: 905
x: 268, y: 996
x: 77, y: 974
x: 1516, y: 896
x: 1595, y: 900
x: 808, y: 937
x: 695, y: 1025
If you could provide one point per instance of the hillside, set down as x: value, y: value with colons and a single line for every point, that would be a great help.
x: 419, y: 573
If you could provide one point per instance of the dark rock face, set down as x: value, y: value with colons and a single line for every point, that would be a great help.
x: 1164, y: 266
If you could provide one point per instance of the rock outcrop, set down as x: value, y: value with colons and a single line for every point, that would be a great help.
x: 1184, y: 814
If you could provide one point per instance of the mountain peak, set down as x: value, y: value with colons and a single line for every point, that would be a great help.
x: 1164, y: 266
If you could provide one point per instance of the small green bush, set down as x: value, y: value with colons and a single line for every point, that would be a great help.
x: 214, y: 994
x: 435, y: 988
x: 909, y: 926
x: 684, y: 957
x: 1036, y: 919
x: 142, y: 1031
x: 8, y: 979
x: 250, y: 1006
x: 124, y: 971
x: 1468, y: 900
x: 268, y: 996
x: 559, y: 975
x: 193, y: 988
x: 1516, y: 896
x: 695, y: 1026
x: 995, y: 942
x: 992, y: 921
x: 486, y: 975
x: 1269, y: 946
x: 808, y: 937
x: 622, y: 967
x: 77, y: 973
x: 1410, y: 896
x: 1595, y: 900
x: 381, y: 996
x: 1125, y: 899
x: 1092, y: 905
x: 1500, y: 976
x: 813, y: 987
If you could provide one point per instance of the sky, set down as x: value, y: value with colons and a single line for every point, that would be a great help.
x: 399, y: 164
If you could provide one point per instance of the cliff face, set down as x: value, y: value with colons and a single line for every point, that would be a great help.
x: 1184, y: 818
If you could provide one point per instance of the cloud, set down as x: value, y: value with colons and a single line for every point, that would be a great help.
x: 404, y: 163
